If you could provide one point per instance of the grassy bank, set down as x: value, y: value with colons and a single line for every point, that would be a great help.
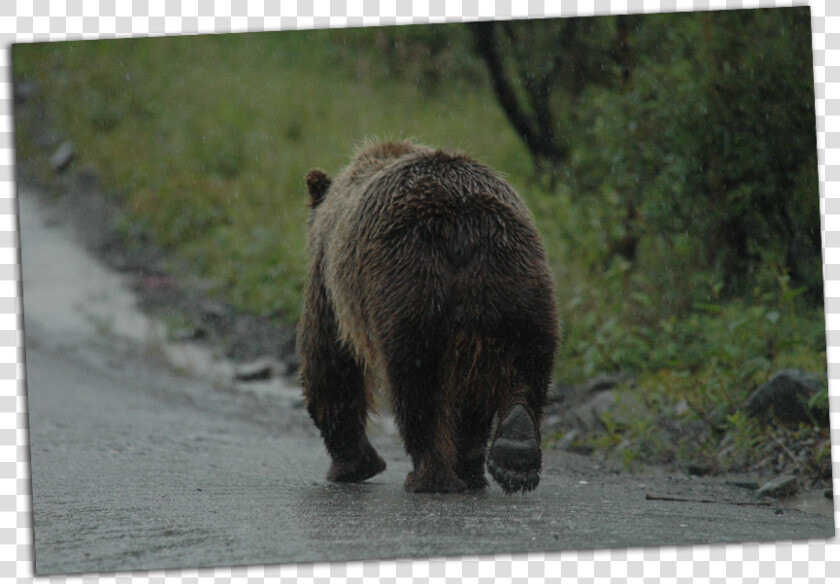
x: 205, y: 141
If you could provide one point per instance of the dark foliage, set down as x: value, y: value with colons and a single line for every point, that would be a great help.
x: 700, y: 129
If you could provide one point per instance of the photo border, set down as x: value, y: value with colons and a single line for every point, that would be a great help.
x: 20, y: 22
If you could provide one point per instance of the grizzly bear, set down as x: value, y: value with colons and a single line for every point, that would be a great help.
x: 427, y: 274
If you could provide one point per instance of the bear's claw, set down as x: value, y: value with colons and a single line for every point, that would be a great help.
x: 515, y: 458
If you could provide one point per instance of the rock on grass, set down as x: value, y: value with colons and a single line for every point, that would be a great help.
x: 62, y: 157
x: 781, y: 486
x: 784, y: 396
x: 257, y: 370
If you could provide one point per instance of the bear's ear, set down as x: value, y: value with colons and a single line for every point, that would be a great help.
x: 317, y: 183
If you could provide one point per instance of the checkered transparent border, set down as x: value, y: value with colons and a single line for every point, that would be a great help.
x: 27, y: 21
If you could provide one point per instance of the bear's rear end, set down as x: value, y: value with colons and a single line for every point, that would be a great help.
x: 427, y: 269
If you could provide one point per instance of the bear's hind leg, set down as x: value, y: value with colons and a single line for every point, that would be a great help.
x: 515, y: 457
x: 426, y: 421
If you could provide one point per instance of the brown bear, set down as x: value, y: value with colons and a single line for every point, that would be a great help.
x: 427, y: 273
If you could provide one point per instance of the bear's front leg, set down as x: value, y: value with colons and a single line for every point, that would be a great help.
x: 334, y: 389
x: 426, y: 422
x: 427, y: 479
x: 342, y: 420
x: 356, y: 465
x: 473, y: 433
x: 433, y: 455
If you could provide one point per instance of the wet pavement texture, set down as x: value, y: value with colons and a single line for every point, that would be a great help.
x: 144, y: 458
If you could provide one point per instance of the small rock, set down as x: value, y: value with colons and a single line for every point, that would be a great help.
x: 214, y: 310
x: 744, y: 484
x: 605, y: 382
x: 551, y: 420
x: 568, y: 440
x: 584, y: 449
x: 782, y: 486
x: 62, y: 157
x: 786, y: 394
x: 591, y: 414
x: 699, y: 469
x: 258, y: 370
x: 24, y: 90
x: 609, y: 407
x: 681, y: 408
x: 47, y: 138
x: 558, y: 392
x: 187, y: 333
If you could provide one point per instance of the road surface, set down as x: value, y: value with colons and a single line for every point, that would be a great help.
x: 145, y: 456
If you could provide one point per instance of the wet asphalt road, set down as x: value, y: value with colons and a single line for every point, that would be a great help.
x: 135, y: 467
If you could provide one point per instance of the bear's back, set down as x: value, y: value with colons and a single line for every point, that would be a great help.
x: 430, y: 237
x: 431, y: 192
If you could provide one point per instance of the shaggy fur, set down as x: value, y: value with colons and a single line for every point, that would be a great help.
x: 427, y: 272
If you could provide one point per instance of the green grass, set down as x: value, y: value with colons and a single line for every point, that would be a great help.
x: 205, y: 141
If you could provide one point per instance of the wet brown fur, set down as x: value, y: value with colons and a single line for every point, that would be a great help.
x: 426, y: 271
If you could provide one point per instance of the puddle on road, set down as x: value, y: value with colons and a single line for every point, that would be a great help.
x: 71, y: 295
